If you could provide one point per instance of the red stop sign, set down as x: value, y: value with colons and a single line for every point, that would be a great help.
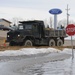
x: 70, y: 29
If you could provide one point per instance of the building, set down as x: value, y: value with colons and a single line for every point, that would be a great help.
x: 4, y: 22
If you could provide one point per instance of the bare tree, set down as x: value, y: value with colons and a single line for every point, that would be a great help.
x: 64, y: 22
x: 16, y: 20
x: 45, y: 22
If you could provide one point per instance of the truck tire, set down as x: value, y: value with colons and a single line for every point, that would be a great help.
x: 28, y: 43
x: 52, y: 42
x: 59, y: 42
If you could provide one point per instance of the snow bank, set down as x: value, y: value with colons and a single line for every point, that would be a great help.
x: 67, y: 50
x: 28, y: 51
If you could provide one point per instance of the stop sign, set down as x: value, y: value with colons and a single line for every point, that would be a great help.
x: 70, y: 29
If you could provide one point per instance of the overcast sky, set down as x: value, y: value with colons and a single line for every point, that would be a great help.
x: 35, y: 9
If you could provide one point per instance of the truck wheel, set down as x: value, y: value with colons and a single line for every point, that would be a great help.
x: 51, y: 42
x: 59, y: 42
x: 28, y: 43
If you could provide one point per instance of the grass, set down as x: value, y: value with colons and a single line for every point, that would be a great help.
x: 3, y: 48
x: 2, y: 40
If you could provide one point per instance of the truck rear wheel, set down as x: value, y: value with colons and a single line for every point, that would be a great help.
x: 52, y: 42
x: 28, y: 43
x: 59, y: 42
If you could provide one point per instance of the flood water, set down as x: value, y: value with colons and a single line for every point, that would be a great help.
x: 40, y: 65
x: 63, y: 67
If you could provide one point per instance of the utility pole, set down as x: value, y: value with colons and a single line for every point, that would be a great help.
x: 67, y: 14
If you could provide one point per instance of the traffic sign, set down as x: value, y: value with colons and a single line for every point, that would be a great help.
x: 70, y: 29
x: 55, y: 11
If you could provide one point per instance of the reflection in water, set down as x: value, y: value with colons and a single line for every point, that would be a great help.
x: 34, y: 70
x: 65, y: 67
x: 72, y: 67
x: 71, y: 70
x: 37, y: 70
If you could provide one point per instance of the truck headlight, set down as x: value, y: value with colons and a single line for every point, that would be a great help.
x: 7, y: 35
x: 18, y: 35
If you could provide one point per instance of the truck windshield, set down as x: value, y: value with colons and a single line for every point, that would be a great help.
x: 28, y: 27
x: 20, y: 27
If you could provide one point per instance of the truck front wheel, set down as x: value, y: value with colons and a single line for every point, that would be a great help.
x: 59, y: 42
x: 28, y: 43
x: 52, y: 42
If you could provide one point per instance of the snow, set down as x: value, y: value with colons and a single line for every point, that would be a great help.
x: 67, y: 51
x: 28, y: 51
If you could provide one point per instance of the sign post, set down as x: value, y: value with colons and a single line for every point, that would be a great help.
x: 70, y: 30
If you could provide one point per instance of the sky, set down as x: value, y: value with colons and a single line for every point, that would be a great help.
x: 35, y: 9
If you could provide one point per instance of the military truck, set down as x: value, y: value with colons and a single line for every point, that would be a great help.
x: 34, y: 33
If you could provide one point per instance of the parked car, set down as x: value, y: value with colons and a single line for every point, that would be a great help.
x: 2, y: 27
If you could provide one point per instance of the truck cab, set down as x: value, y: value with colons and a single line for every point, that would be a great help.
x: 31, y: 33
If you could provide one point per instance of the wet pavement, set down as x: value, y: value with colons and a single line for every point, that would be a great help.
x: 39, y: 64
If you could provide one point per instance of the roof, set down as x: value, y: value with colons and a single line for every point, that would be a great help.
x: 32, y: 21
x: 5, y: 20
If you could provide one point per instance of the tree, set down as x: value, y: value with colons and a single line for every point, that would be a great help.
x: 63, y: 22
x: 16, y: 20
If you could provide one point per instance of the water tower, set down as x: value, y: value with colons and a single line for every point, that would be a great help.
x: 55, y: 12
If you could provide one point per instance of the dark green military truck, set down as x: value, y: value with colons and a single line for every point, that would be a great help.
x: 34, y: 33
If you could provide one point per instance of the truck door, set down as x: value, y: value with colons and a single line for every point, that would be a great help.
x: 41, y: 30
x: 36, y: 31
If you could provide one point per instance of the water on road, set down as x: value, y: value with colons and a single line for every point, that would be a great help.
x: 40, y: 64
